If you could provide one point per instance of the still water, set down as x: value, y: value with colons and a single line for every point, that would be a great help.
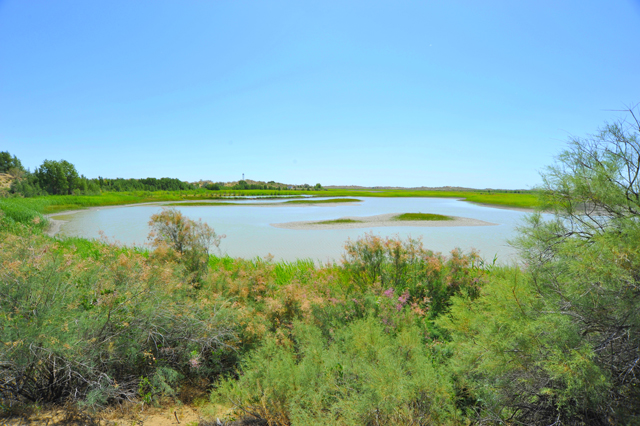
x: 249, y: 232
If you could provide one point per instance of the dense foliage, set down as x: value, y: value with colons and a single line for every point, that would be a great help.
x: 147, y: 184
x: 560, y: 343
x: 99, y: 325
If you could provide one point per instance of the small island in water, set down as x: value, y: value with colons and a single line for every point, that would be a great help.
x: 389, y: 219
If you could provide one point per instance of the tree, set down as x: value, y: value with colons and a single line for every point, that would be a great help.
x: 560, y: 343
x: 58, y: 177
x: 10, y: 164
x: 595, y: 185
x: 189, y: 239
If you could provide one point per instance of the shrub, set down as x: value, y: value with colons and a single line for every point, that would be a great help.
x: 362, y: 375
x: 191, y: 240
x: 406, y: 266
x: 91, y: 329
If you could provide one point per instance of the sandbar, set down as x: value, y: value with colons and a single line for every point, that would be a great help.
x: 382, y: 220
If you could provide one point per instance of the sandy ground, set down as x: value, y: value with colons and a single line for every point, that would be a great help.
x: 383, y: 220
x: 148, y: 416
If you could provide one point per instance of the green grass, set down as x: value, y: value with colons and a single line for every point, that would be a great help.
x: 522, y: 199
x: 208, y: 203
x: 305, y: 201
x: 422, y: 216
x: 332, y: 200
x: 330, y: 222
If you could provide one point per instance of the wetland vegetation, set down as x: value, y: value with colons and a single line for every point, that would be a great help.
x: 392, y: 334
x: 332, y: 222
x: 422, y: 216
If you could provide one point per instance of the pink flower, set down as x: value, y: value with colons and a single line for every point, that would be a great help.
x: 195, y: 363
x: 389, y: 293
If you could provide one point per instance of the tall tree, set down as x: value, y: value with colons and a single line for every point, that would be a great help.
x: 58, y: 177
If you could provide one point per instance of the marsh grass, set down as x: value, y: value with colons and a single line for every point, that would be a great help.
x: 331, y: 200
x: 205, y: 204
x: 331, y: 222
x: 224, y: 203
x: 527, y: 200
x: 421, y: 216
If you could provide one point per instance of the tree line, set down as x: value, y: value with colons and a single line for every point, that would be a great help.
x: 62, y: 178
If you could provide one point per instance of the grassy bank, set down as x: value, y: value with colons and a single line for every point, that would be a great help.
x: 528, y: 200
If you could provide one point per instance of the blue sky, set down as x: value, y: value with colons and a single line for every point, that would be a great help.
x: 430, y: 93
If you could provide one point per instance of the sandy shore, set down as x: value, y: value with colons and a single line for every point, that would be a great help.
x: 383, y: 220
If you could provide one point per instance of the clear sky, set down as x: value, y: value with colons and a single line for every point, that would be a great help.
x: 408, y: 93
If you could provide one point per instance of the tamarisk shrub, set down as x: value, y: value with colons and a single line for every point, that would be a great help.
x: 91, y: 327
x: 191, y: 240
x: 405, y: 265
x: 560, y: 342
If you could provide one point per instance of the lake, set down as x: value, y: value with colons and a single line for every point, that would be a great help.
x: 249, y: 232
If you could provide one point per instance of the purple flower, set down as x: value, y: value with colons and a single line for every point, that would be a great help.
x: 389, y: 293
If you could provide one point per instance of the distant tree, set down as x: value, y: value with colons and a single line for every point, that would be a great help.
x: 318, y: 187
x: 58, y: 177
x: 10, y: 164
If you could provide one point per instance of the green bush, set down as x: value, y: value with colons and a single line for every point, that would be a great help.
x: 361, y: 375
x: 191, y: 240
x: 92, y: 328
x: 406, y: 266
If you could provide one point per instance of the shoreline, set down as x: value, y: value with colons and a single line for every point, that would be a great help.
x: 382, y: 220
